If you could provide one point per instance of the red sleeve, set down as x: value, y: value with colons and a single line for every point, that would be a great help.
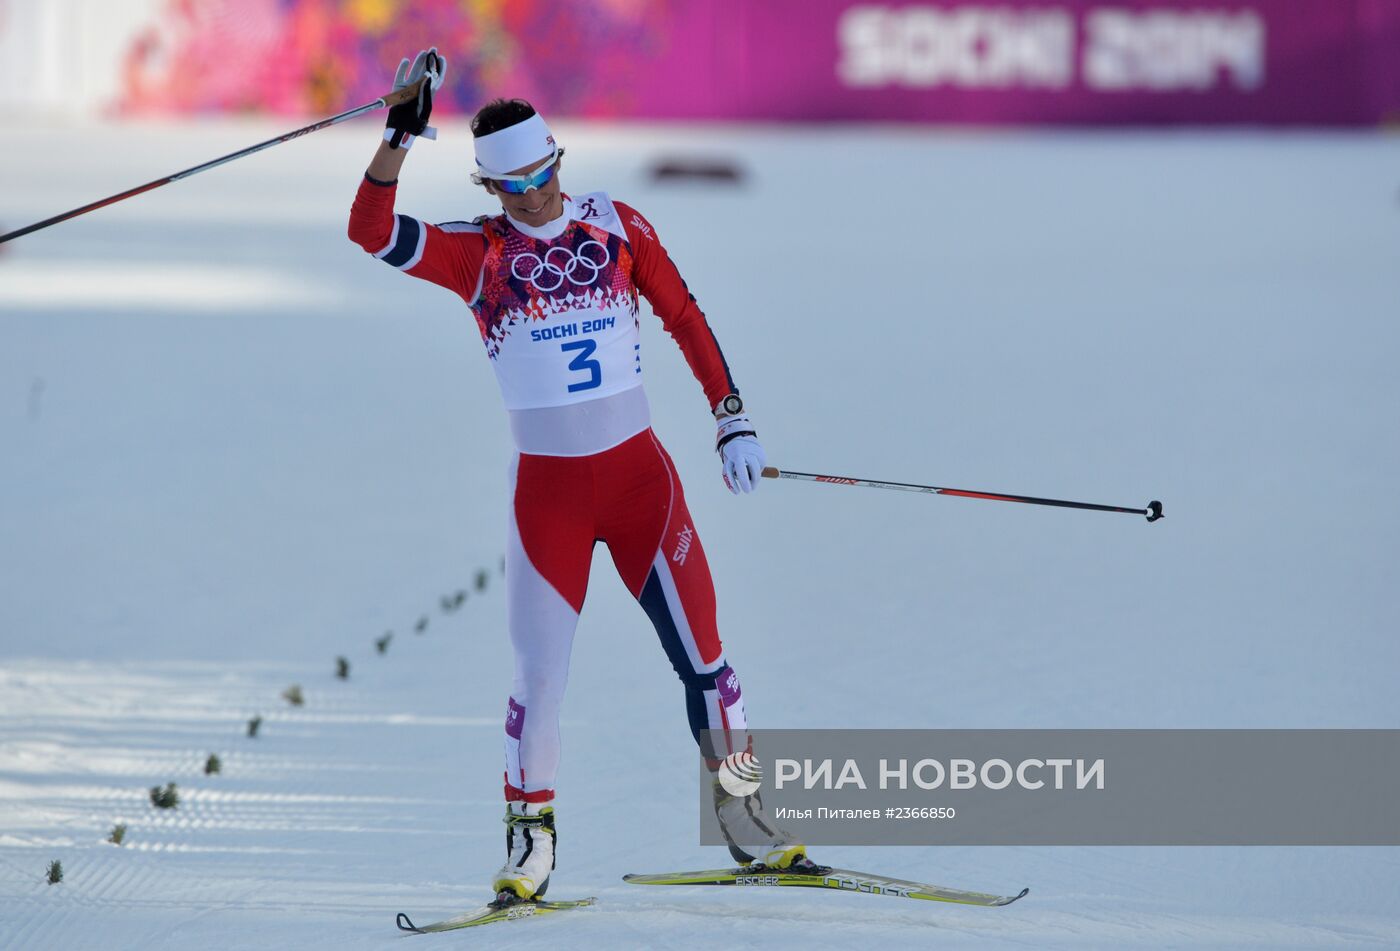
x: 657, y: 278
x: 449, y: 255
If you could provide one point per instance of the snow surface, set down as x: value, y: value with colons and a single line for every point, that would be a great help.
x: 233, y: 447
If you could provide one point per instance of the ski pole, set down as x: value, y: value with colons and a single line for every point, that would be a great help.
x: 1153, y: 510
x: 389, y: 99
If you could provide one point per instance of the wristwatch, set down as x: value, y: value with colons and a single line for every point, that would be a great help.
x: 731, y: 405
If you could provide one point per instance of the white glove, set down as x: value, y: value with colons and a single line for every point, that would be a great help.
x: 740, y: 453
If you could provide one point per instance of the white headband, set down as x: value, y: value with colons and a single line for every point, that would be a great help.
x: 518, y: 146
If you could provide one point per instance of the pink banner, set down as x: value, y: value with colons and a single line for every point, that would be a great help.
x: 1029, y: 61
x: 1318, y: 62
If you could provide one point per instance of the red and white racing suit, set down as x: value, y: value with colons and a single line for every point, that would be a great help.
x: 558, y: 311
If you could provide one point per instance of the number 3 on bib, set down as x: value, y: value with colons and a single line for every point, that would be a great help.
x: 580, y: 361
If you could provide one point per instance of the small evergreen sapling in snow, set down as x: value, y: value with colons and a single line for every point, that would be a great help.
x: 458, y: 599
x: 165, y: 798
x: 382, y: 644
x: 118, y: 833
x: 342, y: 668
x: 422, y: 624
x: 482, y: 577
x: 213, y: 765
x: 55, y: 872
x: 293, y: 695
x: 253, y: 725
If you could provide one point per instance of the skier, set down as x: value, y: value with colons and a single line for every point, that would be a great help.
x: 553, y: 282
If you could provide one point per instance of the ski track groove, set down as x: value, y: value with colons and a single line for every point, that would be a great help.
x: 59, y: 730
x: 67, y: 773
x: 279, y: 792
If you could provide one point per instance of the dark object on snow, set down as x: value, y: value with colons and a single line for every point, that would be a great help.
x: 55, y: 872
x: 213, y: 765
x: 422, y: 624
x: 293, y: 695
x: 693, y: 169
x: 253, y: 725
x: 382, y: 644
x: 342, y: 668
x: 481, y: 578
x: 165, y: 798
x: 118, y: 833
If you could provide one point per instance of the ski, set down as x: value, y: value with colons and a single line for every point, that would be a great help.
x: 490, y: 913
x: 820, y: 876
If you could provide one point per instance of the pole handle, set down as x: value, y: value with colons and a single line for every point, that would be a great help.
x: 772, y: 472
x: 403, y: 95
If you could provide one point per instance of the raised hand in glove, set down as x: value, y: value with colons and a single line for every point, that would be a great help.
x: 410, y: 119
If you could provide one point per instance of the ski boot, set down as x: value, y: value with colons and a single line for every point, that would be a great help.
x: 754, y: 839
x: 530, y: 841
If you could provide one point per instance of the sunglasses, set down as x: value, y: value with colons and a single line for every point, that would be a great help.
x: 536, y: 178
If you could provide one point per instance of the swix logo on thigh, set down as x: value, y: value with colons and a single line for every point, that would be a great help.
x: 683, y: 539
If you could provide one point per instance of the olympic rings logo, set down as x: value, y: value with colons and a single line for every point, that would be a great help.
x: 560, y: 264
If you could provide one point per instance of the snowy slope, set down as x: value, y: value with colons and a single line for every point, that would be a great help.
x: 233, y: 448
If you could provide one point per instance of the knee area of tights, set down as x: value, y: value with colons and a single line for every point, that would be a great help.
x: 725, y: 676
